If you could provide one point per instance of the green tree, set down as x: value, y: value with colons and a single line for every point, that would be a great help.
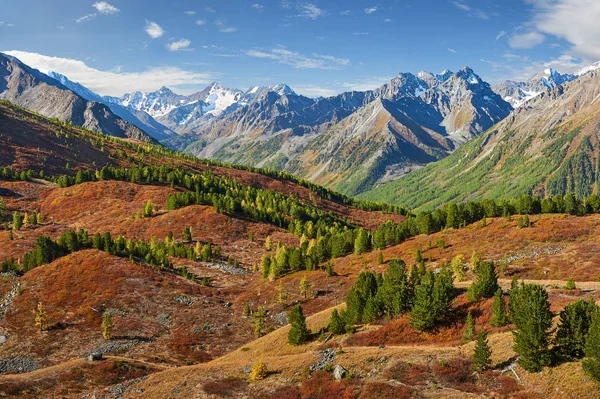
x: 186, y: 235
x: 148, y: 209
x: 573, y: 326
x: 364, y: 288
x: 2, y: 208
x: 469, y: 330
x: 458, y: 267
x: 530, y: 312
x: 107, y: 326
x: 475, y: 260
x: 432, y: 300
x: 486, y: 282
x: 591, y: 363
x: 570, y: 284
x: 258, y: 318
x: 380, y: 258
x: 395, y: 293
x: 247, y: 311
x: 329, y: 269
x: 482, y: 354
x: 499, y: 318
x: 304, y: 287
x: 298, y: 333
x: 362, y: 243
x: 336, y: 323
x: 17, y: 221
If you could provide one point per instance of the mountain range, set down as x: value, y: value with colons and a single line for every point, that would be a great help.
x: 38, y: 92
x: 352, y: 142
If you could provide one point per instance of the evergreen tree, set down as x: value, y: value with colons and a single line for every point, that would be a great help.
x: 422, y: 316
x: 304, y: 286
x: 591, y: 363
x: 469, y: 330
x: 186, y: 235
x: 268, y: 244
x: 40, y: 317
x: 570, y: 284
x: 258, y: 318
x: 148, y: 209
x: 247, y: 311
x: 475, y: 260
x: 530, y: 312
x: 380, y: 258
x: 259, y: 371
x: 329, y: 269
x: 17, y: 221
x: 499, y: 318
x: 2, y: 208
x: 364, y: 288
x: 266, y: 266
x: 336, y: 323
x: 372, y: 310
x: 395, y: 294
x: 362, y: 243
x: 282, y: 295
x: 573, y: 326
x: 107, y: 326
x: 418, y: 256
x: 458, y: 267
x: 486, y: 282
x: 482, y: 354
x: 298, y: 333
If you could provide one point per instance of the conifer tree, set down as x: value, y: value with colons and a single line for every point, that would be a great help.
x: 486, y: 282
x: 570, y: 284
x: 259, y: 371
x: 469, y: 331
x: 282, y: 295
x: 2, y: 208
x: 247, y: 311
x: 148, y: 209
x: 266, y: 266
x: 362, y: 243
x: 573, y: 326
x: 380, y: 258
x: 107, y: 326
x: 458, y: 267
x: 591, y: 363
x: 186, y: 235
x: 372, y: 310
x: 482, y: 354
x: 298, y: 333
x: 422, y: 316
x: 395, y: 294
x: 304, y: 286
x: 336, y: 323
x: 329, y: 269
x: 499, y: 318
x: 17, y: 221
x: 530, y: 312
x: 268, y: 244
x: 475, y: 260
x: 258, y: 318
x: 418, y: 256
x: 40, y: 317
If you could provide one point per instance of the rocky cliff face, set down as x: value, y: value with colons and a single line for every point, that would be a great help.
x: 33, y: 90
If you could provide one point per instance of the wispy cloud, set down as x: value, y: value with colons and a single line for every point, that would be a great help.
x: 200, y: 22
x: 526, y: 40
x: 471, y: 12
x: 105, y: 8
x: 501, y: 34
x: 178, y: 45
x: 346, y: 12
x: 209, y: 10
x: 369, y: 83
x: 360, y: 33
x: 115, y: 82
x: 224, y: 28
x: 314, y: 91
x: 190, y: 12
x: 258, y: 7
x: 299, y: 61
x: 452, y: 50
x: 154, y: 30
x: 371, y: 10
x: 85, y: 18
x: 311, y: 11
x: 388, y: 20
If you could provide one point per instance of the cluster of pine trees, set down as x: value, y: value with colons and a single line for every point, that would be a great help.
x: 155, y: 253
x: 425, y: 295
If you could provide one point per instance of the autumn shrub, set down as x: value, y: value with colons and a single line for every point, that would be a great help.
x: 382, y: 390
x: 407, y: 373
x: 323, y: 386
x: 455, y: 373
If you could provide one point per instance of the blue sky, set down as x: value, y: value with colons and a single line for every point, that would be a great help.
x: 317, y: 47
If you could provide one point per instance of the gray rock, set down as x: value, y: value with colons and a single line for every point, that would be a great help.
x: 326, y: 357
x: 95, y: 356
x: 17, y: 365
x: 339, y: 372
x: 281, y: 318
x: 184, y: 300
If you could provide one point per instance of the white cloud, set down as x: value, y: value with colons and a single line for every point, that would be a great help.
x: 311, y: 11
x: 345, y: 12
x: 299, y: 61
x: 526, y: 40
x: 105, y: 8
x: 371, y: 10
x: 258, y: 6
x: 200, y: 22
x: 370, y: 83
x: 154, y: 30
x: 314, y: 91
x: 209, y: 9
x: 85, y: 18
x: 228, y: 30
x: 388, y: 20
x: 360, y: 33
x: 501, y: 34
x: 573, y: 20
x: 181, y: 44
x: 452, y: 50
x: 114, y: 83
x: 190, y: 12
x: 472, y: 12
x: 2, y: 23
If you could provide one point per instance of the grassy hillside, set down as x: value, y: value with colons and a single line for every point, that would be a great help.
x: 549, y: 147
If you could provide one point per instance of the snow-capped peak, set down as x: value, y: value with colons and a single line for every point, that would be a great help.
x: 283, y: 90
x: 219, y: 98
x: 588, y: 69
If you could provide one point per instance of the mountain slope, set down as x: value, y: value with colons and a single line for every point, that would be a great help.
x: 549, y: 147
x: 351, y: 141
x: 33, y: 90
x: 138, y: 118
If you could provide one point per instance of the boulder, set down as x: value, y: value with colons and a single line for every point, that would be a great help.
x: 95, y: 356
x: 339, y: 372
